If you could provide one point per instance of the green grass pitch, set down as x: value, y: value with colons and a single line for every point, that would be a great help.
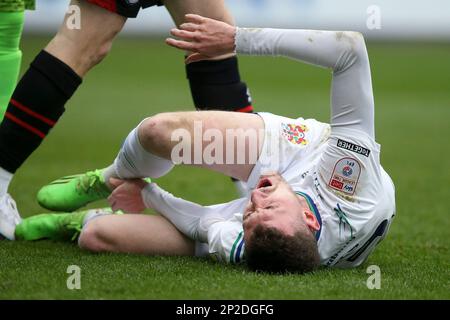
x: 142, y: 77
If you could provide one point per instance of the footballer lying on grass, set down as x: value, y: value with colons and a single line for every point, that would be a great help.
x: 317, y: 192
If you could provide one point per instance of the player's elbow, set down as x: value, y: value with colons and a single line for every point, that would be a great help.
x: 354, y: 35
x: 353, y: 49
x: 358, y: 43
x: 350, y: 38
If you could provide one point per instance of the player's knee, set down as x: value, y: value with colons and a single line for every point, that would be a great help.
x: 155, y: 132
x: 91, y: 238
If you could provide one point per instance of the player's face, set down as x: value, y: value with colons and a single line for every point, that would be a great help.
x: 274, y: 204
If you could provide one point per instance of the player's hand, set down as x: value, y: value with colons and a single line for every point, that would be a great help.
x: 205, y: 38
x: 127, y: 195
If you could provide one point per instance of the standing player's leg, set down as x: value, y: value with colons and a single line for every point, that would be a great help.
x: 215, y: 84
x: 82, y: 49
x: 11, y: 25
x: 54, y: 75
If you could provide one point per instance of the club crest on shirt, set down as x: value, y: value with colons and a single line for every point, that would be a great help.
x: 345, y: 175
x: 295, y: 133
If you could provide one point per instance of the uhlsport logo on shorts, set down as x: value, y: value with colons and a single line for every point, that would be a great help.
x: 295, y: 133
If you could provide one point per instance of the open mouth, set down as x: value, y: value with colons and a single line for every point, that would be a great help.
x: 264, y: 183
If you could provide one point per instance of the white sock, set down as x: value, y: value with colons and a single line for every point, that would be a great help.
x: 109, y: 172
x: 5, y: 179
x: 134, y: 161
x: 93, y: 214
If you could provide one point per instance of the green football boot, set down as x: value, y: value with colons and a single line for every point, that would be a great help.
x: 73, y: 192
x: 55, y: 226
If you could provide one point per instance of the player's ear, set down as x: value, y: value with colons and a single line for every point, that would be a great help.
x: 311, y: 220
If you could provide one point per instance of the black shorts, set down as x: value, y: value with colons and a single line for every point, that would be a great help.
x: 126, y: 8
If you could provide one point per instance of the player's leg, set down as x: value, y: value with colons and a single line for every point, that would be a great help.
x: 135, y: 233
x: 54, y: 75
x: 214, y: 84
x: 81, y: 49
x: 101, y: 230
x: 11, y: 25
x: 151, y: 149
x: 241, y: 135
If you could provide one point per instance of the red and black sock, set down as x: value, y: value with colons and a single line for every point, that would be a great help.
x: 35, y: 107
x: 217, y: 85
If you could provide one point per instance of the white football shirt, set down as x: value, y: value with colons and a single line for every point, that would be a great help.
x: 335, y: 167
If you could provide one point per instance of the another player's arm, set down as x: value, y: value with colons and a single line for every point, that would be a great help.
x: 343, y: 52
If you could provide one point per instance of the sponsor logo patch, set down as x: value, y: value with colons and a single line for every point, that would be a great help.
x: 295, y: 133
x: 353, y: 147
x: 345, y: 175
